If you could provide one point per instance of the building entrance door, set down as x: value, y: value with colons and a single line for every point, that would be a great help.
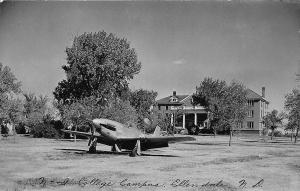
x: 189, y: 120
x: 201, y: 117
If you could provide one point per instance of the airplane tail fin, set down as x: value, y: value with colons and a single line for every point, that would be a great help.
x: 157, y: 131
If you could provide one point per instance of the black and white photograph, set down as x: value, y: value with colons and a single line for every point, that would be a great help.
x: 150, y: 95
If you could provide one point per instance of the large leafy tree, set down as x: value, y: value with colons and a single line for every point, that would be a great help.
x: 9, y: 86
x: 292, y: 106
x: 122, y: 112
x: 11, y: 110
x: 78, y: 111
x: 162, y: 120
x: 8, y: 82
x: 209, y: 95
x: 292, y: 126
x: 35, y: 109
x: 273, y: 120
x: 98, y: 64
x: 142, y: 100
x: 226, y: 104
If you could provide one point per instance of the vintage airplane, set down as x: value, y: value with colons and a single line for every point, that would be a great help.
x: 119, y: 137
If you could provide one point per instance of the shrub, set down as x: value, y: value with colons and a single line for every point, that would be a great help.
x: 206, y: 131
x: 45, y: 130
x: 58, y: 126
x: 20, y: 128
x: 193, y: 130
x: 4, y: 129
x: 276, y: 134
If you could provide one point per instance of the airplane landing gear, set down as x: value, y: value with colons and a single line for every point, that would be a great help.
x: 92, y: 149
x: 93, y: 146
x: 137, y: 149
x: 115, y: 148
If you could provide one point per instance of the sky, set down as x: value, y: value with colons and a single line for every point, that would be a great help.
x: 178, y: 43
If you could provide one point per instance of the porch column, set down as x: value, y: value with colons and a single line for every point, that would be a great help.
x: 207, y: 119
x: 195, y: 122
x: 183, y: 120
x: 172, y: 119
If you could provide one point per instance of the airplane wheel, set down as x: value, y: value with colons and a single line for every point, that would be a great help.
x: 133, y: 153
x: 92, y: 149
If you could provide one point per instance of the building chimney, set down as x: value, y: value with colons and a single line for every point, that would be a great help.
x: 174, y: 93
x: 263, y: 92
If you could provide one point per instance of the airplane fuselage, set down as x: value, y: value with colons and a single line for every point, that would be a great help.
x: 111, y: 130
x: 119, y: 137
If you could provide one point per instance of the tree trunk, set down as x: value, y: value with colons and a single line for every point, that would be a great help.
x: 215, y: 132
x: 292, y: 132
x: 230, y: 137
x: 296, y: 135
x: 264, y: 134
x: 75, y: 134
x: 272, y: 134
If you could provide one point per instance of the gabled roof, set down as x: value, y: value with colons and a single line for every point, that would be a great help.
x: 167, y: 100
x: 254, y: 96
x: 182, y: 99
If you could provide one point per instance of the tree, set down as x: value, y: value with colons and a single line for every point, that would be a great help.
x: 225, y: 104
x: 9, y: 86
x: 273, y: 120
x: 11, y: 110
x: 35, y: 109
x: 292, y: 126
x: 142, y: 100
x: 8, y: 81
x: 98, y: 64
x: 122, y: 112
x: 76, y: 113
x: 208, y: 95
x: 292, y: 106
x: 235, y: 106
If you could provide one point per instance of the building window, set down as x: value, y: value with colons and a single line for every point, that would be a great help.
x: 250, y: 124
x: 159, y: 107
x: 250, y: 102
x: 250, y: 113
x: 173, y: 99
x: 240, y: 125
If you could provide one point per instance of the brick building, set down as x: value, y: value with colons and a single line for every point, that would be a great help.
x: 257, y: 109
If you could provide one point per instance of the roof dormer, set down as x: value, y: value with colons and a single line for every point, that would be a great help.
x: 173, y: 98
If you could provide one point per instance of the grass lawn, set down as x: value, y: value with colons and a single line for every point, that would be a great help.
x: 206, y: 164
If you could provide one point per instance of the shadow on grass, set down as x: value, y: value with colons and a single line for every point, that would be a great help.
x: 195, y: 143
x: 84, y: 152
x: 157, y: 155
x: 72, y: 140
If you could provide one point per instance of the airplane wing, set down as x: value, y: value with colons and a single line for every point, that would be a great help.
x: 171, y: 138
x: 86, y: 134
x: 158, y: 138
x: 150, y: 142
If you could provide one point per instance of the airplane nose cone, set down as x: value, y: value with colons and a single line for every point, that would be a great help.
x: 96, y: 122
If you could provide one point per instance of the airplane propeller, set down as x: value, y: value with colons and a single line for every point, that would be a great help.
x: 93, y: 132
x: 93, y: 126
